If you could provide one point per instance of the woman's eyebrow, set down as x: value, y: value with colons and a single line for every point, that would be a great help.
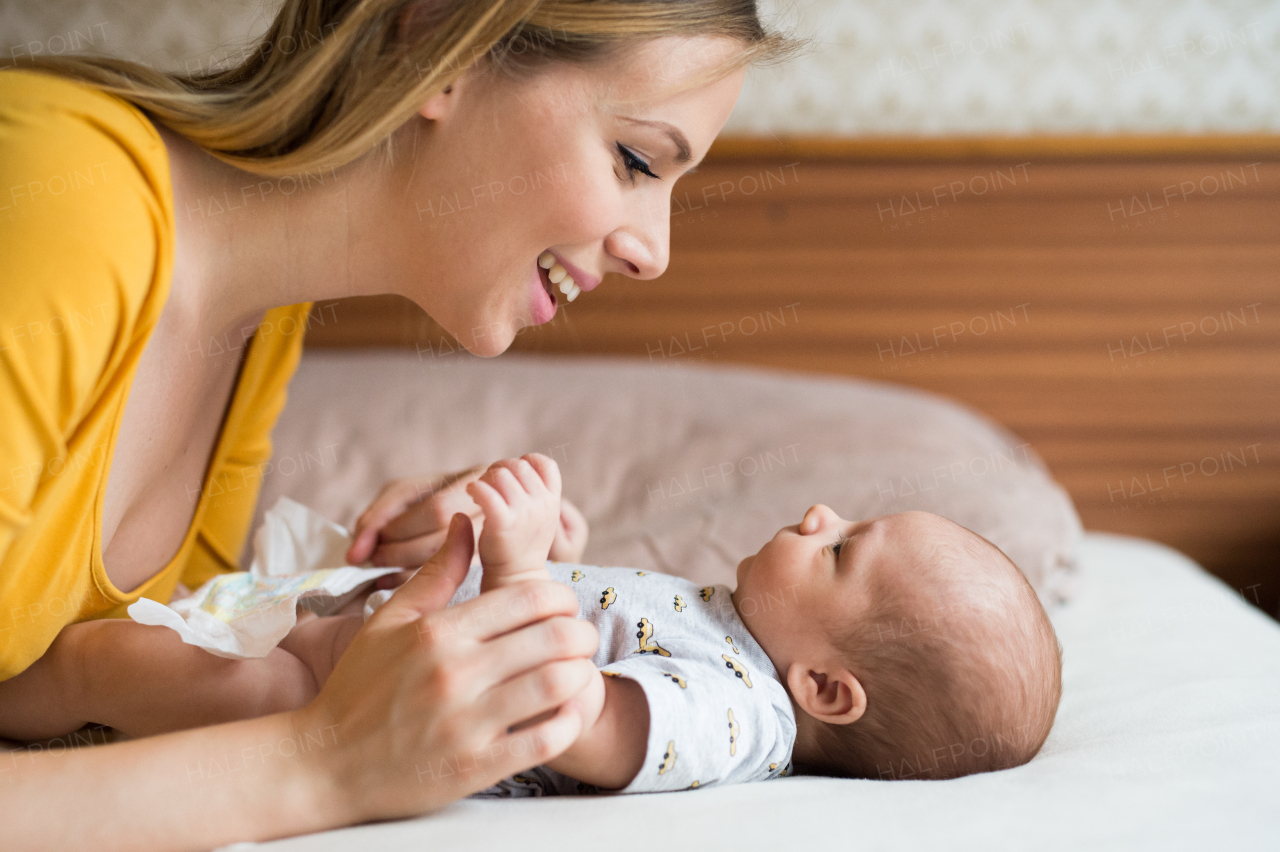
x: 684, y: 152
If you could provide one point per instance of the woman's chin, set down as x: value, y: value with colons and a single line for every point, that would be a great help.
x: 490, y: 346
x: 487, y: 337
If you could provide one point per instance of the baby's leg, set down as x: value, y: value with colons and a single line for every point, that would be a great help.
x: 319, y: 641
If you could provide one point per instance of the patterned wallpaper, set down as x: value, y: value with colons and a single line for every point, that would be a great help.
x: 916, y: 67
x: 1022, y: 66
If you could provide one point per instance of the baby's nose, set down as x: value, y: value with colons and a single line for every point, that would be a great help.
x: 814, y: 519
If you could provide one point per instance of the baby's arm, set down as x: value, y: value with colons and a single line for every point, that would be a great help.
x: 609, y: 753
x: 521, y: 503
x: 520, y: 499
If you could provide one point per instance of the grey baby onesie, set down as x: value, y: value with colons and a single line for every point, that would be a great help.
x: 718, y: 714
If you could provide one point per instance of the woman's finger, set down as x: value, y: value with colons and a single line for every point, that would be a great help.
x: 391, y: 501
x: 536, y: 744
x: 430, y: 589
x: 407, y: 508
x: 392, y: 498
x: 558, y: 638
x: 501, y: 611
x: 411, y: 553
x: 393, y: 581
x: 408, y: 554
x: 432, y: 514
x: 536, y: 691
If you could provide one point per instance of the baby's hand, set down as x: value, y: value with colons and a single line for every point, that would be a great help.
x: 520, y: 499
x: 571, y: 535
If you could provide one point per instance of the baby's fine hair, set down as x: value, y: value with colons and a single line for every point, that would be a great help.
x: 971, y: 686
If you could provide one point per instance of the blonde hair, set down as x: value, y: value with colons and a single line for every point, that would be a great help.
x: 333, y: 79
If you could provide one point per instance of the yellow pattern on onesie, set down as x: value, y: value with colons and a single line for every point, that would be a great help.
x: 645, y: 634
x: 738, y: 669
x: 668, y: 759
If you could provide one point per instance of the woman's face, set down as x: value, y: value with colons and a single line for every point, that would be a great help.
x: 504, y: 171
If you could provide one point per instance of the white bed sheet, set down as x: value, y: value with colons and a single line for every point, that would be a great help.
x: 1168, y: 738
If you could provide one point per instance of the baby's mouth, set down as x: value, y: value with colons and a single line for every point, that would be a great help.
x: 554, y: 277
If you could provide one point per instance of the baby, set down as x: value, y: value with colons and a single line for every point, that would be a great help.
x: 903, y: 646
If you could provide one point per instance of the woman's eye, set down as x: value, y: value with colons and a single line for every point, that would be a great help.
x: 633, y: 164
x: 835, y: 548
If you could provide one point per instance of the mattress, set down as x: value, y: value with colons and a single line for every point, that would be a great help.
x: 1168, y: 735
x: 1167, y: 738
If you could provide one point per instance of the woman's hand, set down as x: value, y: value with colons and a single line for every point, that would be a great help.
x: 406, y: 523
x: 416, y: 714
x: 422, y: 702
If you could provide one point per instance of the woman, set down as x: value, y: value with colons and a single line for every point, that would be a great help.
x: 158, y: 223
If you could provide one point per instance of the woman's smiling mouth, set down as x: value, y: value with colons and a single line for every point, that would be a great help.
x: 542, y: 300
x: 558, y: 275
x: 554, y: 277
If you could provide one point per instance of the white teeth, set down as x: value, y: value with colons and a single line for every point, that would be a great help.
x: 558, y: 275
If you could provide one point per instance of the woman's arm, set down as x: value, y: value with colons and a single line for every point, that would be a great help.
x: 189, y: 790
x: 144, y: 680
x: 416, y: 714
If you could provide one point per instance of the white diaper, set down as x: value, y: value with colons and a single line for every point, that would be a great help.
x: 298, y: 555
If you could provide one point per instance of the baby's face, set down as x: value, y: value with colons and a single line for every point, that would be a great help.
x: 811, y: 579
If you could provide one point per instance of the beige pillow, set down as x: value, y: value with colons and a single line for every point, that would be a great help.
x: 678, y: 467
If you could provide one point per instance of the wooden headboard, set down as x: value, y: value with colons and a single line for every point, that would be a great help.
x: 1112, y: 301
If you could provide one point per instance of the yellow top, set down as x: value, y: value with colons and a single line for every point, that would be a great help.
x: 86, y: 257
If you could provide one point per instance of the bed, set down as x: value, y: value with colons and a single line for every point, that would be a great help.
x: 1168, y: 735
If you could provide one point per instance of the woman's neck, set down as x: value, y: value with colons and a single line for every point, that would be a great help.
x: 245, y: 243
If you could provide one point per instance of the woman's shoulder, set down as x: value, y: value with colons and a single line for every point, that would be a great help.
x: 59, y: 137
x: 86, y: 231
x: 51, y: 101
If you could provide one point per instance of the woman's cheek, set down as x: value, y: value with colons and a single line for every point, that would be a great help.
x: 588, y: 210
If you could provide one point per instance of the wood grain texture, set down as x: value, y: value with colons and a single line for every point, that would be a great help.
x: 1114, y: 306
x: 915, y: 149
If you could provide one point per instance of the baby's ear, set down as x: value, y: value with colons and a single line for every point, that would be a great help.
x: 829, y: 693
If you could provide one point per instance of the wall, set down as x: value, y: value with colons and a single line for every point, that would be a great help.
x: 930, y: 67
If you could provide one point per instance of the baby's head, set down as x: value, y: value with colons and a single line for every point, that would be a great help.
x: 912, y: 647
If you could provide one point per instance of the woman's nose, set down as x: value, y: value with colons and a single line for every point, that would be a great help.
x: 643, y: 245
